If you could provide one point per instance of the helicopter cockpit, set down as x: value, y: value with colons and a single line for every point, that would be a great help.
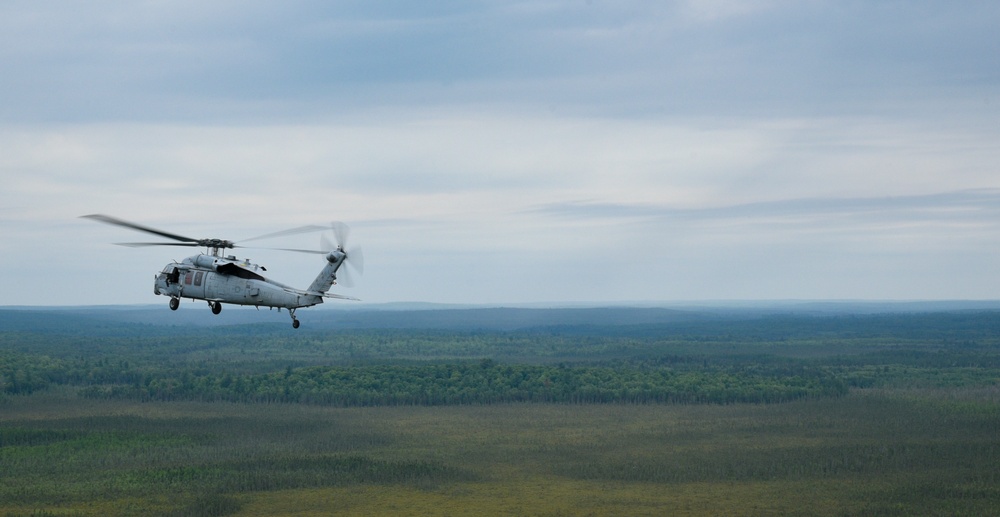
x: 171, y: 274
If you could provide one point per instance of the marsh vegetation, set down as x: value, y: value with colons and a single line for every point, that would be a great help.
x: 876, y: 415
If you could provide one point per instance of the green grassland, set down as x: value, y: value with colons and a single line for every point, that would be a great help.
x: 789, y: 415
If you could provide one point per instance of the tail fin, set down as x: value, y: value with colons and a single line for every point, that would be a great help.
x: 326, y: 278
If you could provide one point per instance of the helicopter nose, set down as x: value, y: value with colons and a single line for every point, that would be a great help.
x: 159, y: 282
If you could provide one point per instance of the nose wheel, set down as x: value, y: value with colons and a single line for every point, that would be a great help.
x: 215, y: 306
x: 295, y: 321
x: 175, y: 303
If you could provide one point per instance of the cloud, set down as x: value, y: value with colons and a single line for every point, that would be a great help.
x: 960, y: 222
x: 516, y: 151
x: 981, y: 205
x: 304, y: 61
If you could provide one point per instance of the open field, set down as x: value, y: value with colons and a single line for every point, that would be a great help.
x: 889, y: 453
x: 881, y: 416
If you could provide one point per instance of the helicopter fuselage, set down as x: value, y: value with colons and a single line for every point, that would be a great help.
x: 219, y: 280
x: 228, y: 280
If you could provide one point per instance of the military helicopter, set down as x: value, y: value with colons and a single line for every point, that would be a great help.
x: 217, y: 278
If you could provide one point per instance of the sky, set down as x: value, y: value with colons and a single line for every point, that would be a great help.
x: 507, y: 152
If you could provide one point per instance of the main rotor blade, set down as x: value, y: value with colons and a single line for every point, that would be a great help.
x: 144, y: 244
x: 291, y: 231
x: 325, y: 244
x: 107, y: 219
x: 314, y: 252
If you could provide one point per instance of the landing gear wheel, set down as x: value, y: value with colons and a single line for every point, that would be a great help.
x: 216, y: 307
x: 175, y: 303
x: 295, y: 324
x: 295, y: 321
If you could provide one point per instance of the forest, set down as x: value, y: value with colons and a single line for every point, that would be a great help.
x: 500, y: 411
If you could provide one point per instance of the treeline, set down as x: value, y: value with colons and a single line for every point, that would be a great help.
x: 763, y: 360
x: 22, y: 374
x: 667, y: 379
x: 484, y: 383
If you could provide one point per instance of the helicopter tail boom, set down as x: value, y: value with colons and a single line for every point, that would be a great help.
x: 326, y: 278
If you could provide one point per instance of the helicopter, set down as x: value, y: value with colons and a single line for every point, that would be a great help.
x: 218, y: 278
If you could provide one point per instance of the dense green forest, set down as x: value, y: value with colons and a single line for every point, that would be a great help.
x: 763, y: 359
x: 893, y: 413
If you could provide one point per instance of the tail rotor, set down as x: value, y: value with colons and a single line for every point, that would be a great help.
x: 354, y: 257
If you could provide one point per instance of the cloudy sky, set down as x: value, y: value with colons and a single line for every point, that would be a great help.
x: 509, y: 152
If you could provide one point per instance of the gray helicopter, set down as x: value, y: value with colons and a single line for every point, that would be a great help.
x: 217, y: 278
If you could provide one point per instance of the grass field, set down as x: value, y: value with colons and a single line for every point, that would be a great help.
x: 873, y: 452
x: 894, y: 414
